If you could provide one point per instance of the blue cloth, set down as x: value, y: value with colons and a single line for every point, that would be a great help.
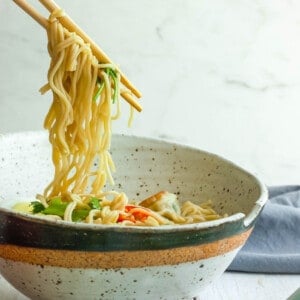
x: 274, y: 245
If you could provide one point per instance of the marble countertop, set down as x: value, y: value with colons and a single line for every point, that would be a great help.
x: 220, y: 75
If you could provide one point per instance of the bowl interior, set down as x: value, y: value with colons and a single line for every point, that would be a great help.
x: 144, y: 167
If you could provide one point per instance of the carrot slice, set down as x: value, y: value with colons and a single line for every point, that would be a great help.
x: 134, y: 213
x: 125, y: 217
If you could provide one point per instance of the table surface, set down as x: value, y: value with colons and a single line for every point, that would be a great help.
x: 231, y: 286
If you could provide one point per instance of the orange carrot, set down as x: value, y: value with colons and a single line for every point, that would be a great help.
x: 134, y: 213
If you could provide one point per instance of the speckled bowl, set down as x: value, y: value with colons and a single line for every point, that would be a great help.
x: 57, y: 260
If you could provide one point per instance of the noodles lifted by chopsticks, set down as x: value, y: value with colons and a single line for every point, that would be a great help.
x: 79, y: 124
x: 79, y: 119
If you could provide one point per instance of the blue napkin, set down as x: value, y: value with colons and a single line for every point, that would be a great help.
x: 274, y: 245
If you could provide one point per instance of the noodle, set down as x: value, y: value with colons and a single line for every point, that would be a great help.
x: 79, y: 123
x: 79, y: 119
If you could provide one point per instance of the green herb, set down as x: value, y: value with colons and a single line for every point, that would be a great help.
x: 112, y: 73
x: 56, y: 207
x: 37, y: 207
x: 94, y: 203
x: 100, y: 85
x: 79, y: 214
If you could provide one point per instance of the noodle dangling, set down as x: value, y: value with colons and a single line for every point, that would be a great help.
x: 79, y: 124
x: 79, y: 119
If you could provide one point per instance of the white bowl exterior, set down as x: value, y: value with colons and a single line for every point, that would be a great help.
x: 182, y: 281
x: 144, y: 166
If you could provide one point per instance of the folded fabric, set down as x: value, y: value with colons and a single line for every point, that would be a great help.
x: 274, y: 245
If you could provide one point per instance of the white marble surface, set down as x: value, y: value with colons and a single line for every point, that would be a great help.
x: 221, y: 75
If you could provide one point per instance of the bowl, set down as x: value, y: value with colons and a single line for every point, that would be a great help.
x: 47, y: 259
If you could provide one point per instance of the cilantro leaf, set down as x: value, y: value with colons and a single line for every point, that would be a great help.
x: 56, y: 207
x: 79, y: 214
x: 94, y: 203
x: 37, y: 207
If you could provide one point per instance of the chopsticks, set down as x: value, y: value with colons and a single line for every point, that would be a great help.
x: 69, y: 24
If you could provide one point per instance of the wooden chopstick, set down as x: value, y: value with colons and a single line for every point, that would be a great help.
x: 69, y: 24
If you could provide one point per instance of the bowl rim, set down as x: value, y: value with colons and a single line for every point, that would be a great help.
x: 247, y: 220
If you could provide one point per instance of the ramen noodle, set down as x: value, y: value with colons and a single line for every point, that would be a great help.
x: 85, y: 102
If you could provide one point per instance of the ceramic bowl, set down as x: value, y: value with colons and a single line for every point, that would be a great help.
x: 58, y: 260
